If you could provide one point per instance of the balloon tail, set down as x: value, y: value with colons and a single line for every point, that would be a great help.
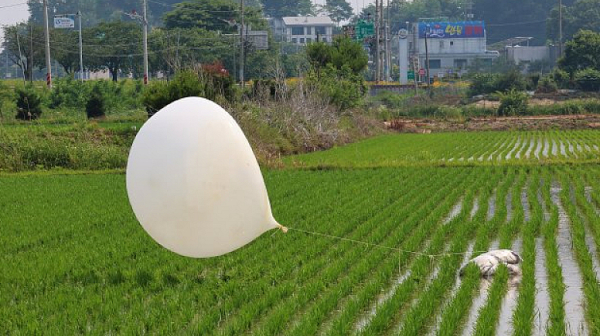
x: 283, y: 228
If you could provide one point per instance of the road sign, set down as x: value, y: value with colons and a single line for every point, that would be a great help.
x: 364, y: 29
x: 410, y: 75
x: 421, y: 72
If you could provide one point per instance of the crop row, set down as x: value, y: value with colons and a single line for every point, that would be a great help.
x: 76, y: 261
x: 468, y: 148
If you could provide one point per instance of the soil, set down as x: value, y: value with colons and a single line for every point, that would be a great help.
x: 581, y: 121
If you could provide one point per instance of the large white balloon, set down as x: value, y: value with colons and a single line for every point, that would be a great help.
x: 194, y: 183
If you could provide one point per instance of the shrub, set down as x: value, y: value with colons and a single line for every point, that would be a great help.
x: 588, y: 79
x: 95, y: 106
x: 29, y: 103
x: 490, y: 83
x: 547, y: 85
x: 561, y: 78
x: 342, y: 88
x: 512, y: 103
x: 483, y: 83
x: 208, y: 82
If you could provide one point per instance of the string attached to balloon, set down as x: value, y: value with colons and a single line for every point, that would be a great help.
x: 435, y: 255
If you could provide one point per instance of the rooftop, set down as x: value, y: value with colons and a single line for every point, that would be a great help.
x: 307, y: 20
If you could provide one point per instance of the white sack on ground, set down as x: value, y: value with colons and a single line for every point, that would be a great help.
x: 488, y: 262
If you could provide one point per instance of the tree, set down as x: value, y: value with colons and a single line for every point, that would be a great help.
x: 581, y: 53
x: 215, y: 15
x: 65, y: 49
x: 583, y: 14
x: 343, y: 52
x: 24, y: 43
x: 338, y: 10
x: 281, y: 8
x: 113, y: 46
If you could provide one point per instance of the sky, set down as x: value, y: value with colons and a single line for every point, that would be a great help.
x: 13, y: 11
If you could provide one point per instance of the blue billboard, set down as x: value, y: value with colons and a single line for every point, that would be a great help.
x: 462, y: 29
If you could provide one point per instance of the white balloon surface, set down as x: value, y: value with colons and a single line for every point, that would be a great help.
x: 194, y: 183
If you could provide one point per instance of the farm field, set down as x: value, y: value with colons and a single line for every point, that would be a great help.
x: 460, y: 149
x: 75, y: 260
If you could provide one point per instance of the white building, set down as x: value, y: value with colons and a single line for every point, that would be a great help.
x: 306, y: 29
x: 452, y: 46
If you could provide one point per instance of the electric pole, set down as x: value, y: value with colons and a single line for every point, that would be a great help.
x: 560, y: 32
x: 242, y: 43
x: 145, y: 23
x: 80, y: 49
x: 377, y: 36
x: 427, y: 30
x: 47, y: 35
x: 388, y: 53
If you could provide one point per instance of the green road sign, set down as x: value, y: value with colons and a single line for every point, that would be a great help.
x: 364, y: 29
x: 411, y: 75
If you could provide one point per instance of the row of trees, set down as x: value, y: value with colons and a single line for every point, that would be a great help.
x: 109, y: 10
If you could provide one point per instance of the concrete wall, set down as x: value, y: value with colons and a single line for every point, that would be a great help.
x: 520, y: 54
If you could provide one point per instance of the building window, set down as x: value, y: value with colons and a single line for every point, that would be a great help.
x: 324, y: 39
x: 294, y: 40
x: 302, y: 40
x: 297, y: 30
x: 308, y: 40
x: 460, y: 63
x: 451, y: 43
x: 441, y: 44
x: 320, y: 31
x: 435, y: 64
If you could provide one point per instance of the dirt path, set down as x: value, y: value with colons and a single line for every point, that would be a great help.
x: 581, y: 121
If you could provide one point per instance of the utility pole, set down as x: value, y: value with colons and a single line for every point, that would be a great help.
x: 242, y: 43
x: 145, y: 23
x: 388, y: 51
x: 47, y: 34
x: 560, y: 32
x: 427, y: 30
x: 80, y: 48
x: 377, y: 50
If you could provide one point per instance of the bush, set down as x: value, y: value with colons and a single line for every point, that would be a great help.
x: 512, y: 103
x: 483, y: 83
x: 95, y: 106
x: 490, y: 83
x: 547, y: 85
x: 342, y: 88
x: 588, y: 79
x: 561, y: 78
x: 29, y: 103
x: 206, y: 82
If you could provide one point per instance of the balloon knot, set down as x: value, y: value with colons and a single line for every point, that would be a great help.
x: 283, y: 228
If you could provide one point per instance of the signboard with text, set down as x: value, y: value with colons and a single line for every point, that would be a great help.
x: 64, y: 21
x: 461, y: 29
x: 364, y: 29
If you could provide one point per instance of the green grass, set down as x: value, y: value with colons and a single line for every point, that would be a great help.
x: 75, y: 260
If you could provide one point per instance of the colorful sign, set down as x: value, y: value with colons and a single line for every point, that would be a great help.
x: 462, y: 29
x: 64, y: 21
x: 421, y: 72
x: 411, y: 75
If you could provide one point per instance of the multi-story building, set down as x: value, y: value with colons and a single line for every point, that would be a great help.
x: 305, y: 29
x: 451, y: 46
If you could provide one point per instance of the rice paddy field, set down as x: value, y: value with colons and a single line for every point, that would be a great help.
x: 411, y: 209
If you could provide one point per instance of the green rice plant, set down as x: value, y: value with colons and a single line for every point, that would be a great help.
x: 488, y: 315
x: 556, y: 287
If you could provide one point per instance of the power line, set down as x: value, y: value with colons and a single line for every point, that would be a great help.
x: 514, y: 23
x: 13, y: 5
